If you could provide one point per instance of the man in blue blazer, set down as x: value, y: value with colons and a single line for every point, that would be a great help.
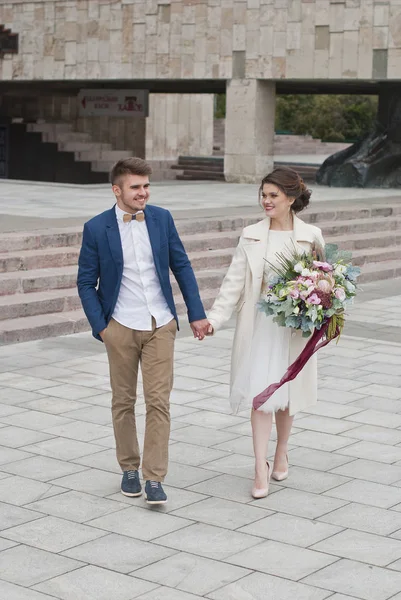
x: 125, y: 290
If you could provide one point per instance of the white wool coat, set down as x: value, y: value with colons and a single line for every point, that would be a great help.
x: 240, y: 292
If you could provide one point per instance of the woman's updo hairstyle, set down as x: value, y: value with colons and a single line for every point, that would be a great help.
x: 289, y: 182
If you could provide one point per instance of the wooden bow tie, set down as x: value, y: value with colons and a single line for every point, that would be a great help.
x: 138, y: 217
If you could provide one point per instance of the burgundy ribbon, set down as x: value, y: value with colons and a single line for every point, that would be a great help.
x: 313, y: 345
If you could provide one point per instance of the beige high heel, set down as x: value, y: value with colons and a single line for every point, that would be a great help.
x: 259, y: 493
x: 281, y: 475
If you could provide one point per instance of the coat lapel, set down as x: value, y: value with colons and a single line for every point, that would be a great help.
x: 256, y: 238
x: 255, y: 245
x: 113, y: 236
x: 302, y: 232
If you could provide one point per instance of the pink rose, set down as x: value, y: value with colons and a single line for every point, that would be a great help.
x: 324, y: 266
x: 294, y: 293
x: 313, y: 299
x: 339, y: 294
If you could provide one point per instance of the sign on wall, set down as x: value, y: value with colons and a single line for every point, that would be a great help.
x: 113, y: 103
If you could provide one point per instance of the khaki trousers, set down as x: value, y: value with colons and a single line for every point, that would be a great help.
x: 126, y: 348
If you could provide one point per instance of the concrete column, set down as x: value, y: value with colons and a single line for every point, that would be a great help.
x: 249, y: 136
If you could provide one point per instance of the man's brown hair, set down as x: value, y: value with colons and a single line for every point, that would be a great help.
x: 129, y: 166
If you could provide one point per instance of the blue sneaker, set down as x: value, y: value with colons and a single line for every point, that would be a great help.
x: 154, y: 493
x: 130, y: 485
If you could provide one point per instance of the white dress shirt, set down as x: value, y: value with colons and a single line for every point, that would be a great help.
x: 140, y: 297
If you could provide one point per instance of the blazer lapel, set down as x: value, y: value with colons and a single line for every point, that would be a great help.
x: 152, y: 224
x: 113, y: 236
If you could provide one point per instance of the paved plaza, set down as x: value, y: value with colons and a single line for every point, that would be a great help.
x: 332, y: 530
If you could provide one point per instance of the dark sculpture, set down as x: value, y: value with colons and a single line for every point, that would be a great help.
x: 375, y: 161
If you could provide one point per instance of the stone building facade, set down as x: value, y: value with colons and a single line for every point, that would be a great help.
x: 252, y: 46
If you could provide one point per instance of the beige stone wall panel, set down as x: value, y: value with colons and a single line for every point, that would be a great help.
x: 266, y: 15
x: 252, y: 46
x: 337, y: 18
x: 294, y: 11
x: 93, y: 9
x: 380, y: 38
x: 336, y: 55
x: 252, y: 21
x: 321, y: 64
x: 366, y: 8
x: 227, y: 18
x: 139, y: 12
x: 252, y: 68
x: 395, y: 27
x: 308, y: 23
x: 294, y: 34
x: 394, y: 62
x: 381, y: 15
x: 279, y: 38
x: 350, y: 56
x: 188, y: 14
x: 71, y: 54
x: 239, y: 37
x: 352, y: 17
x: 365, y: 53
x: 163, y: 39
x: 226, y: 43
x: 279, y: 43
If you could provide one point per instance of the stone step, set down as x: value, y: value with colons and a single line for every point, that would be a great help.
x: 38, y: 303
x: 198, y: 160
x: 49, y: 127
x: 200, y: 175
x: 213, y: 259
x: 98, y: 154
x: 23, y: 282
x: 199, y: 167
x: 38, y: 259
x: 82, y: 146
x: 210, y: 241
x: 362, y: 226
x: 380, y: 271
x: 102, y: 166
x: 375, y: 255
x: 43, y: 238
x: 65, y: 136
x: 40, y: 326
x: 359, y: 241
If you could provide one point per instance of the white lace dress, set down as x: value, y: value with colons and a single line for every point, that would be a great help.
x: 270, y: 343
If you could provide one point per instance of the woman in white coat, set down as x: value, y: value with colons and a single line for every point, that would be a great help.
x: 262, y: 350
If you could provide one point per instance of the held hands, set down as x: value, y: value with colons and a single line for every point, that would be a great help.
x: 201, y: 328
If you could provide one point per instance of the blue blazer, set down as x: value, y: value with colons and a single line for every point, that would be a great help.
x: 101, y: 266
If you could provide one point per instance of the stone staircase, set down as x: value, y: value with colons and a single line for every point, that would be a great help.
x: 195, y: 168
x: 283, y: 143
x: 38, y: 297
x: 101, y: 156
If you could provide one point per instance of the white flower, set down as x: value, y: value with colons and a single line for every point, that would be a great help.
x: 298, y: 268
x: 340, y: 270
x: 282, y: 293
x: 306, y: 273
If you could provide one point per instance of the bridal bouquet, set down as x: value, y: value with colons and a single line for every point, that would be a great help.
x: 310, y: 295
